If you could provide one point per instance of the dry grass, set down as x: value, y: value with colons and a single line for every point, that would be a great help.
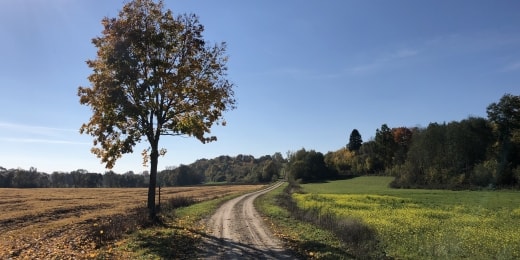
x: 57, y: 223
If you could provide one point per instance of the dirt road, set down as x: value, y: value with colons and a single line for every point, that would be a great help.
x: 236, y: 231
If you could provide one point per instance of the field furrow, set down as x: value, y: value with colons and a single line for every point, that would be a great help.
x: 70, y: 223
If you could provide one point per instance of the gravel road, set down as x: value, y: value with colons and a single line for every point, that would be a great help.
x: 236, y: 231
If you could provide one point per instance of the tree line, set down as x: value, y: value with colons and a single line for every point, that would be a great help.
x: 223, y: 169
x: 474, y: 152
x: 32, y: 178
x: 226, y: 169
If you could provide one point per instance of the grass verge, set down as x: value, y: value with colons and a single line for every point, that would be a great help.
x: 301, y: 232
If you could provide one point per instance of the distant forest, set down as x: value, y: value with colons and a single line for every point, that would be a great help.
x: 223, y: 169
x: 471, y: 153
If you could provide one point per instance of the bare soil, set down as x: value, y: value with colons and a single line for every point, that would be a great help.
x: 237, y: 231
x: 58, y: 223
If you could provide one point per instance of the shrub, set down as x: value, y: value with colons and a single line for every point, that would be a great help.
x: 484, y: 174
x: 178, y: 202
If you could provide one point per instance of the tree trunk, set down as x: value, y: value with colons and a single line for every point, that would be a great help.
x: 154, y: 157
x: 505, y: 176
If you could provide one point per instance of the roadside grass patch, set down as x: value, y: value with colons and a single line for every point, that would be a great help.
x: 425, y: 224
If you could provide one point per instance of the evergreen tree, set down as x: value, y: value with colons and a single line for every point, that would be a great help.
x: 355, y: 141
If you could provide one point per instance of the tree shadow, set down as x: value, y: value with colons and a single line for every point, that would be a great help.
x: 325, y: 251
x: 335, y: 178
x: 167, y: 244
x: 212, y: 247
x: 180, y: 243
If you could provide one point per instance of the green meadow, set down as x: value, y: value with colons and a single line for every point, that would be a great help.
x: 425, y: 224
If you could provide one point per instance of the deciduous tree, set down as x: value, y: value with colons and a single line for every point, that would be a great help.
x: 308, y: 166
x: 402, y: 139
x: 154, y: 75
x: 505, y: 115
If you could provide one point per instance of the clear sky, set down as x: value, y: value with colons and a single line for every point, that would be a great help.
x: 307, y: 73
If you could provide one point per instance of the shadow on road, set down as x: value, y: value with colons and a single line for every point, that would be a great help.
x: 212, y: 247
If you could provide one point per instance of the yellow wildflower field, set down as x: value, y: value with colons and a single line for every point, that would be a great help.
x: 423, y: 224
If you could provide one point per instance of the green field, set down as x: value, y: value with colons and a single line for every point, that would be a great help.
x: 425, y: 224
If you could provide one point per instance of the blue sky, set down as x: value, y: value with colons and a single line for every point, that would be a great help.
x: 307, y: 73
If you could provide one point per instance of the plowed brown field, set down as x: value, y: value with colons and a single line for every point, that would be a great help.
x: 58, y: 223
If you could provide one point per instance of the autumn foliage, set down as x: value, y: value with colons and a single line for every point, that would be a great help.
x: 154, y: 75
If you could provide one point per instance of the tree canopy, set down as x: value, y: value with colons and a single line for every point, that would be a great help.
x: 154, y: 75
